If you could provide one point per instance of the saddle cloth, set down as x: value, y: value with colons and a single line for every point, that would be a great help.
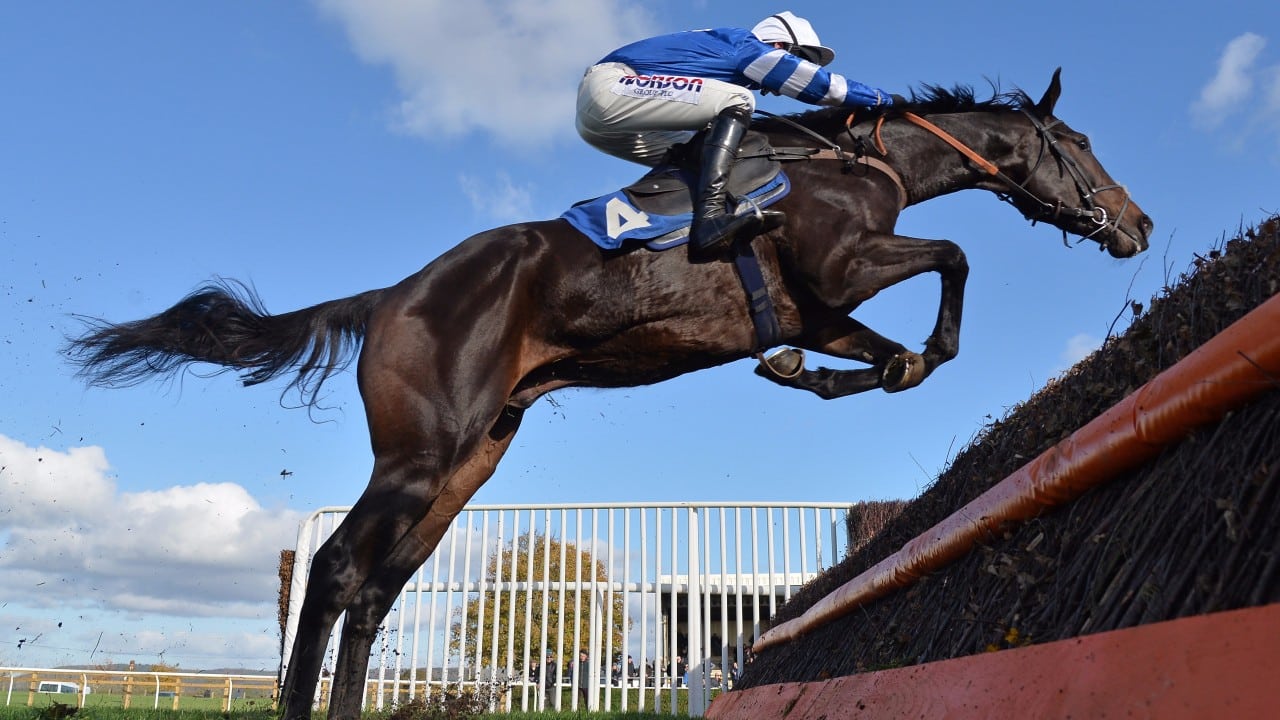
x: 657, y: 209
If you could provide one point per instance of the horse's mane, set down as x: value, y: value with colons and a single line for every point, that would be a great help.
x: 925, y: 99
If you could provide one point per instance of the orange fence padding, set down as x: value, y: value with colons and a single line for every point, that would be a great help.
x: 1238, y: 364
x: 1208, y: 666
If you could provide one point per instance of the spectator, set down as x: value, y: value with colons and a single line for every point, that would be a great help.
x: 552, y: 684
x: 580, y: 674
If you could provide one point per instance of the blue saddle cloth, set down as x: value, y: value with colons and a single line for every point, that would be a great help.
x: 621, y: 218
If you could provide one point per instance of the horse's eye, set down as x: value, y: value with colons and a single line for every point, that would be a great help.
x: 1083, y: 144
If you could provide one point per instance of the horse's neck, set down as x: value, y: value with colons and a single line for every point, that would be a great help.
x: 931, y: 168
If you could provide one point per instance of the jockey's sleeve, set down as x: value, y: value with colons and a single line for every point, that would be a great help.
x: 786, y: 74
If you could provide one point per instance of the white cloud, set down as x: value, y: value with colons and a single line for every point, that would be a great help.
x: 498, y: 199
x: 38, y: 486
x: 1271, y: 111
x: 1230, y: 88
x: 1079, y: 347
x: 1246, y: 87
x: 70, y: 539
x: 509, y: 68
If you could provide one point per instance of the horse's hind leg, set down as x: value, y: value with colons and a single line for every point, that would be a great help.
x: 389, y: 531
x: 390, y: 507
x: 379, y: 592
x: 435, y: 394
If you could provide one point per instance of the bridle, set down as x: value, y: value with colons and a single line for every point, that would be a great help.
x: 1052, y: 211
x: 1041, y: 210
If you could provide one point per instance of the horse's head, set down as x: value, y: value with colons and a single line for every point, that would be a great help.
x: 1066, y: 186
x: 1015, y: 148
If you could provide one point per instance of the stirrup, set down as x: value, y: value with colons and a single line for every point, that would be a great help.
x: 783, y: 363
x: 724, y: 230
x: 770, y: 220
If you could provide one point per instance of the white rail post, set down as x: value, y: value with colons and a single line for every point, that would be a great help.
x: 483, y: 592
x: 526, y: 660
x: 593, y: 618
x: 508, y: 669
x: 696, y: 662
x: 626, y: 607
x: 297, y: 589
x: 417, y: 623
x: 465, y: 516
x: 549, y: 674
x: 431, y: 621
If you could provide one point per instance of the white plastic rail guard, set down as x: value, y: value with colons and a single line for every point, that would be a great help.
x: 678, y: 593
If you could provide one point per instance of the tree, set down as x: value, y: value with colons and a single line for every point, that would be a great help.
x: 575, y: 621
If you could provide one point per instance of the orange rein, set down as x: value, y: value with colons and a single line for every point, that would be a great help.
x: 987, y: 166
x: 848, y: 123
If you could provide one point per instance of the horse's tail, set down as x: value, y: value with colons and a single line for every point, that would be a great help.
x: 224, y: 323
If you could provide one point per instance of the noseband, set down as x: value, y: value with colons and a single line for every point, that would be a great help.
x: 1096, y: 213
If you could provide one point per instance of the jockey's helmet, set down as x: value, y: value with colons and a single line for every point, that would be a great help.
x: 796, y: 34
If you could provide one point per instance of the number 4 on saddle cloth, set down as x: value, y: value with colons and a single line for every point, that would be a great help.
x: 657, y: 209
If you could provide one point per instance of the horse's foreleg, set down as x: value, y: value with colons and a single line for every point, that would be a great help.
x: 943, y: 343
x: 827, y: 383
x: 841, y: 336
x: 883, y: 260
x: 380, y: 590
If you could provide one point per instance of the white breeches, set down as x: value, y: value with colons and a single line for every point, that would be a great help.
x: 639, y: 118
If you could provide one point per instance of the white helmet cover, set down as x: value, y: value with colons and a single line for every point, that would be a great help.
x: 787, y: 27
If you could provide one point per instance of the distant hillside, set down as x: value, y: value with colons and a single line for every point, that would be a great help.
x: 144, y: 668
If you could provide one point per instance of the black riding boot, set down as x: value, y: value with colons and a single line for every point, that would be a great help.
x: 712, y: 227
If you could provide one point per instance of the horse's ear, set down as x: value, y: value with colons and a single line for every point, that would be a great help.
x: 1045, y: 107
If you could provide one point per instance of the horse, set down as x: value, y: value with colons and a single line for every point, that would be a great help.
x: 445, y: 382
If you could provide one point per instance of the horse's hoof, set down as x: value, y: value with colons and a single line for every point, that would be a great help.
x: 782, y: 363
x: 902, y: 372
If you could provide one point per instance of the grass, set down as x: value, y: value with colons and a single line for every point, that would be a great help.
x: 57, y: 711
x: 103, y: 704
x: 22, y: 712
x: 468, y: 704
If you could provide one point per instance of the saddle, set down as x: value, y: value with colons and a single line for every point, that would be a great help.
x: 656, y: 210
x: 669, y: 188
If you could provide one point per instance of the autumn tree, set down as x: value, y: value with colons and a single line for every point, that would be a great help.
x: 498, y: 604
x: 168, y: 683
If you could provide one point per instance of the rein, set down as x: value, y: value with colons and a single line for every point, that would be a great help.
x: 965, y: 150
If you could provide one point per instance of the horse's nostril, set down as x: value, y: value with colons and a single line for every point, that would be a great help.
x: 1146, y: 224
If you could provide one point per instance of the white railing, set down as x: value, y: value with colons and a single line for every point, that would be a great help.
x: 136, y: 688
x: 670, y: 581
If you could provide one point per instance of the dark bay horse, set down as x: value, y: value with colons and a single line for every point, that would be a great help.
x: 452, y: 356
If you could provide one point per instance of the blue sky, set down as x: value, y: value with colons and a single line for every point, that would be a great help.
x: 318, y: 149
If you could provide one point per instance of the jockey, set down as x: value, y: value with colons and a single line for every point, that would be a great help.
x: 642, y: 98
